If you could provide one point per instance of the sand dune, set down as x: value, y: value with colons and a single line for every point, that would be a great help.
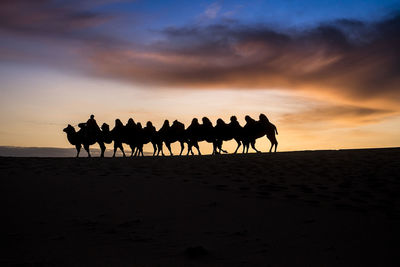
x: 316, y: 208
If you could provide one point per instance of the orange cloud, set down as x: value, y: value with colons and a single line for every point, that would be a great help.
x: 347, y: 60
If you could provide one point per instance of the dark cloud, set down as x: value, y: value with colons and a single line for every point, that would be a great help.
x: 347, y: 59
x: 48, y: 18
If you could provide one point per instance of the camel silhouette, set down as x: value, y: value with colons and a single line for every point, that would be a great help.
x: 171, y: 134
x: 134, y: 135
x: 84, y: 137
x: 257, y: 129
x: 150, y: 135
x: 226, y: 132
x: 204, y: 132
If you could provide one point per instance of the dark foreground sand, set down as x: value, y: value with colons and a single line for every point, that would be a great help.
x: 323, y: 208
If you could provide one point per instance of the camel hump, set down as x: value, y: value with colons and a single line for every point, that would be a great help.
x: 105, y: 127
x: 178, y: 124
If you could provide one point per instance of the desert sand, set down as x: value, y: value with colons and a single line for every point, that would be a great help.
x: 310, y: 208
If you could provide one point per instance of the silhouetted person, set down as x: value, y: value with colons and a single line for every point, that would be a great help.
x: 92, y: 127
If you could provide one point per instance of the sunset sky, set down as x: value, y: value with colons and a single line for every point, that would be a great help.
x: 326, y: 73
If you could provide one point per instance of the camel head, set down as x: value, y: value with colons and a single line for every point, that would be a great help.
x: 69, y: 129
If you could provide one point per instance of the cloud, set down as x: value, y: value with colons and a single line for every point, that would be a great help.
x: 348, y: 60
x: 212, y: 11
x: 343, y: 115
x: 49, y: 18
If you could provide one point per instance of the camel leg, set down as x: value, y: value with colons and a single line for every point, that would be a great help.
x: 253, y: 143
x: 214, y: 148
x: 103, y: 148
x: 115, y: 148
x: 220, y: 147
x: 87, y: 150
x: 159, y: 147
x: 239, y: 143
x: 162, y: 149
x: 169, y: 148
x: 246, y: 147
x: 154, y: 148
x: 78, y: 149
x: 122, y: 149
x: 182, y: 148
x: 140, y: 148
x: 196, y: 145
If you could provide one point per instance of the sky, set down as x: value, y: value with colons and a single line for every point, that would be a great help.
x: 326, y: 73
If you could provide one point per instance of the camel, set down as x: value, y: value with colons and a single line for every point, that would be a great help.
x: 150, y: 135
x: 204, y: 132
x: 170, y: 134
x: 256, y: 129
x: 84, y: 137
x: 226, y: 132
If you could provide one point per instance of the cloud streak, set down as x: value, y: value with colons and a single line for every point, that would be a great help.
x: 60, y: 19
x: 348, y: 60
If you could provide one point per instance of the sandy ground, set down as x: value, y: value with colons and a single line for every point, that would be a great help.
x: 322, y: 208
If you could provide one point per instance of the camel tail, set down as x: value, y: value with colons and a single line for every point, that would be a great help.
x: 276, y: 130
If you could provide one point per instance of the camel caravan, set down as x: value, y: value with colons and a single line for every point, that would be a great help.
x: 136, y: 136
